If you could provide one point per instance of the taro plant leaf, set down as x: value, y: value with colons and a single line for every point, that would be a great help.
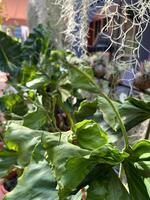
x: 69, y: 162
x: 134, y: 111
x: 137, y: 187
x: 37, y: 180
x: 7, y: 160
x: 90, y: 135
x: 107, y: 186
x: 108, y: 112
x: 86, y: 110
x: 22, y: 140
x: 36, y: 119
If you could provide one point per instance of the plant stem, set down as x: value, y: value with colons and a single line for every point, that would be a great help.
x: 120, y: 121
x: 147, y: 131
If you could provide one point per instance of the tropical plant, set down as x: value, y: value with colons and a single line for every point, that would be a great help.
x: 59, y: 144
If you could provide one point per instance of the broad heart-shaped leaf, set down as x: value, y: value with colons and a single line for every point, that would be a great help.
x: 86, y: 110
x: 108, y: 113
x: 90, y: 135
x: 69, y: 162
x: 79, y: 80
x: 107, y: 186
x: 134, y: 111
x: 36, y: 119
x: 7, y: 160
x: 37, y: 181
x: 22, y: 140
x: 10, y: 53
x: 137, y: 187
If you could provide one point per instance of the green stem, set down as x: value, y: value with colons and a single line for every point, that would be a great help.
x: 54, y: 100
x: 147, y: 131
x: 120, y: 121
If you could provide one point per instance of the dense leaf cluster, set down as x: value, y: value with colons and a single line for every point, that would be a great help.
x: 59, y: 142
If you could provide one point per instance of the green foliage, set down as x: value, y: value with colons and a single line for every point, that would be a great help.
x: 86, y: 110
x: 7, y: 160
x: 21, y: 140
x: 37, y: 180
x: 52, y: 134
x: 134, y: 111
x: 10, y: 51
x: 107, y: 186
x: 87, y: 140
x: 36, y: 119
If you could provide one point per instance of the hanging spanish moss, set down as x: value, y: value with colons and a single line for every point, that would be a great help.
x: 122, y: 17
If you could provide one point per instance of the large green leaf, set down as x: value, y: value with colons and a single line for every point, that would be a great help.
x: 37, y: 181
x: 22, y: 140
x: 137, y: 168
x: 107, y: 186
x: 7, y: 160
x: 86, y: 110
x: 137, y: 187
x: 79, y: 77
x: 36, y: 119
x: 108, y: 112
x: 134, y: 111
x: 66, y: 160
x: 90, y: 135
x: 73, y: 164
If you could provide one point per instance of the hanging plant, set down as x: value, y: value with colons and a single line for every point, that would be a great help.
x: 76, y: 13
